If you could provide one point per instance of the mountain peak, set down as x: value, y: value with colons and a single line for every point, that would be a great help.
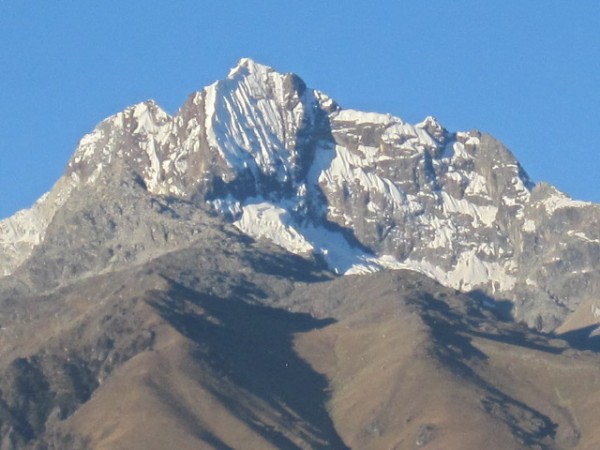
x: 132, y: 264
x: 433, y: 127
x: 361, y: 191
x: 248, y: 66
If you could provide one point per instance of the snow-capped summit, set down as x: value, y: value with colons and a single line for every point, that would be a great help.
x: 362, y: 191
x: 248, y: 65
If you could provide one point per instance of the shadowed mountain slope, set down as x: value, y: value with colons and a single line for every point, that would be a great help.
x: 180, y: 286
x: 260, y: 349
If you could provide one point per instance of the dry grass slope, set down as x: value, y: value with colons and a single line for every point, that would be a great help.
x: 260, y: 350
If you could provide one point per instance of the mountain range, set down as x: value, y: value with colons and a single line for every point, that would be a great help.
x: 265, y: 269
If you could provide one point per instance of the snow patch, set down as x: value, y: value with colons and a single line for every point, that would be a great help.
x: 583, y: 237
x: 263, y: 219
x: 470, y: 272
x: 477, y: 186
x: 529, y: 226
x: 559, y: 200
x: 268, y: 221
x: 482, y: 215
x: 249, y: 125
x: 444, y: 232
x: 361, y: 118
x: 346, y: 168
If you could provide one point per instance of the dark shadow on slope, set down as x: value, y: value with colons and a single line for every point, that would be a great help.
x: 452, y: 335
x: 250, y: 349
x: 583, y: 338
x: 502, y: 309
x: 519, y: 340
x: 289, y: 266
x: 448, y: 329
x: 214, y: 442
x: 453, y: 327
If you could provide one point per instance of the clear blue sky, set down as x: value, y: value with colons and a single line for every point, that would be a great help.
x: 526, y: 71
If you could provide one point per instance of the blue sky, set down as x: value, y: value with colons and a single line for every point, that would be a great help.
x: 526, y: 71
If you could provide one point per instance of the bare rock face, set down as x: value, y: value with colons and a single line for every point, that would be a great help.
x: 233, y: 343
x: 283, y: 162
x: 181, y: 278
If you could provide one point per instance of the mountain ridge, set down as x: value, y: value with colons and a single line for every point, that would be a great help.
x: 362, y: 191
x: 219, y: 278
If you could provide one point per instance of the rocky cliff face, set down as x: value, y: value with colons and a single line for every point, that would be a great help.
x: 178, y: 279
x: 283, y: 162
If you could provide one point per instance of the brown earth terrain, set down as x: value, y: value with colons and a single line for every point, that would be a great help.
x: 272, y: 353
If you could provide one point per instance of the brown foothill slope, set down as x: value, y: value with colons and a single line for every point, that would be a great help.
x: 221, y: 374
x: 258, y: 349
x: 415, y: 365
